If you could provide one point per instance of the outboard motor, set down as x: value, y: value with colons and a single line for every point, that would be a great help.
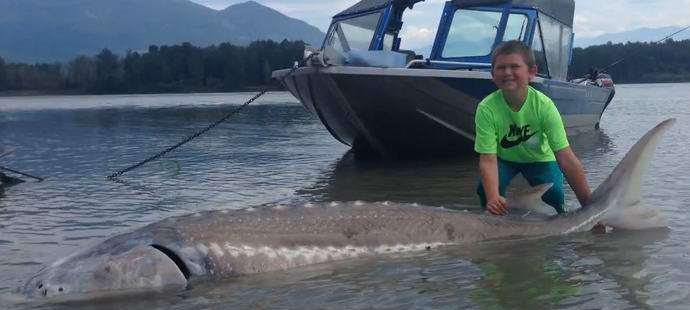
x: 604, y: 80
x: 601, y: 79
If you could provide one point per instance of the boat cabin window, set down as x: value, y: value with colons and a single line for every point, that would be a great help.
x: 557, y: 40
x: 354, y: 33
x: 473, y: 32
x: 539, y: 54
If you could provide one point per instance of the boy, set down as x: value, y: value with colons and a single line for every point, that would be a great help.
x: 519, y: 130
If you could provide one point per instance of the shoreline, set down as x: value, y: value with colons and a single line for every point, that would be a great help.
x: 35, y: 93
x: 256, y: 89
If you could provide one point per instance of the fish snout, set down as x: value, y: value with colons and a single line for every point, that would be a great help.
x: 140, y: 270
x: 37, y: 287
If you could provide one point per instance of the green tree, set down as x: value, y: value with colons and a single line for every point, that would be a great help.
x: 233, y: 74
x: 132, y: 72
x: 107, y: 72
x: 153, y: 71
x: 3, y: 74
x: 82, y: 73
x: 176, y: 68
x: 636, y: 62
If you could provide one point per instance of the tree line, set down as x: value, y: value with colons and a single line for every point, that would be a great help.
x: 667, y: 61
x: 225, y: 67
x: 164, y: 69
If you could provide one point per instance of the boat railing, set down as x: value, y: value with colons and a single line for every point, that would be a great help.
x: 463, y: 64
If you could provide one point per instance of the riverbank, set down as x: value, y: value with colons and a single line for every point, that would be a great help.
x: 30, y: 93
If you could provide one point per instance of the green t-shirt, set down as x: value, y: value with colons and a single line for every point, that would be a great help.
x: 532, y: 134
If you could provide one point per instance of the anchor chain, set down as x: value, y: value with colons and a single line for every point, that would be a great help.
x: 114, y: 176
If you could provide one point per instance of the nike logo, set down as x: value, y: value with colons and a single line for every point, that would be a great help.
x: 506, y: 144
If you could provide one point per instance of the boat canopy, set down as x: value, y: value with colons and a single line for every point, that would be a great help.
x: 368, y: 34
x: 369, y: 5
x: 562, y: 10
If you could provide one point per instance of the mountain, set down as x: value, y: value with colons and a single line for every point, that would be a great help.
x: 245, y: 16
x: 59, y: 30
x: 637, y: 35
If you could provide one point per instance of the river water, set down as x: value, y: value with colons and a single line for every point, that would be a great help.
x: 275, y: 151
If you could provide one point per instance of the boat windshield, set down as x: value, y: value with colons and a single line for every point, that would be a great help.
x: 355, y: 33
x: 473, y: 32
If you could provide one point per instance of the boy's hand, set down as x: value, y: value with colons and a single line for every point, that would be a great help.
x: 497, y: 206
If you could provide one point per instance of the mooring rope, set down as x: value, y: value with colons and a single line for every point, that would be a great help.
x: 119, y: 173
x: 21, y: 173
x: 188, y: 139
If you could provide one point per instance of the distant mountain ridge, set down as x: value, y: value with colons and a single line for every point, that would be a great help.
x: 636, y: 35
x: 59, y: 30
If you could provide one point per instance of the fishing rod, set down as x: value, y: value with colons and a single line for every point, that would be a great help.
x: 593, y: 71
x: 665, y: 38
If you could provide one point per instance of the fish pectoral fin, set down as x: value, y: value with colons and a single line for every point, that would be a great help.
x: 529, y: 199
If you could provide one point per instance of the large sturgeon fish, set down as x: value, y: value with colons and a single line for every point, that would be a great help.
x: 164, y: 256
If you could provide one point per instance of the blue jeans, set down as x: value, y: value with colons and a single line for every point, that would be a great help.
x: 535, y: 173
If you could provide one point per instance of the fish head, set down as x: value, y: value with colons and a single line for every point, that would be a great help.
x: 138, y: 270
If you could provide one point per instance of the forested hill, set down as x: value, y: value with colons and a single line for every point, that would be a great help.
x: 60, y: 30
x: 644, y: 62
x: 164, y: 69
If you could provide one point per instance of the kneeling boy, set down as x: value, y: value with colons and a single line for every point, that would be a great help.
x: 519, y: 130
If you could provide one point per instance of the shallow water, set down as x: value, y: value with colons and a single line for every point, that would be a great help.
x: 275, y: 151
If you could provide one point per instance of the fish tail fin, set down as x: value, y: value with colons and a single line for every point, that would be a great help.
x: 622, y: 187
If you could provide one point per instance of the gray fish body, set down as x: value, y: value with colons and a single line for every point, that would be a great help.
x: 163, y: 256
x: 229, y: 243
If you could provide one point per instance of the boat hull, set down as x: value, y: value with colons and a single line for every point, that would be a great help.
x: 395, y: 112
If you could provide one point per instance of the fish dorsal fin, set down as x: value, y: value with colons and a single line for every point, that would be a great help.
x: 623, y: 184
x: 529, y: 198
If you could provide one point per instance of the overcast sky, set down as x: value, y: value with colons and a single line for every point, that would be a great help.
x: 592, y: 17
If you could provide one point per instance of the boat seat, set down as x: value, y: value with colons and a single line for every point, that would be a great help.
x: 382, y: 59
x: 411, y: 55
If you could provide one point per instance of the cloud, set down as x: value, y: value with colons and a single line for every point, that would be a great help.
x: 412, y: 37
x: 592, y: 17
x: 305, y: 8
x: 216, y: 4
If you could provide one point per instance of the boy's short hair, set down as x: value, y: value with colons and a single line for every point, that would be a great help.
x: 514, y: 47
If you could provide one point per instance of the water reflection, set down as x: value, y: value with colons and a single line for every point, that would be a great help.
x: 446, y: 182
x: 591, y: 144
x: 564, y: 273
x: 618, y: 258
x: 440, y: 182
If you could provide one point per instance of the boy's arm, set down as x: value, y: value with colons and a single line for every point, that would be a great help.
x: 570, y: 165
x: 488, y: 170
x: 486, y: 144
x: 574, y: 173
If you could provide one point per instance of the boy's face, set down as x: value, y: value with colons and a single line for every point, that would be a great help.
x: 511, y: 73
